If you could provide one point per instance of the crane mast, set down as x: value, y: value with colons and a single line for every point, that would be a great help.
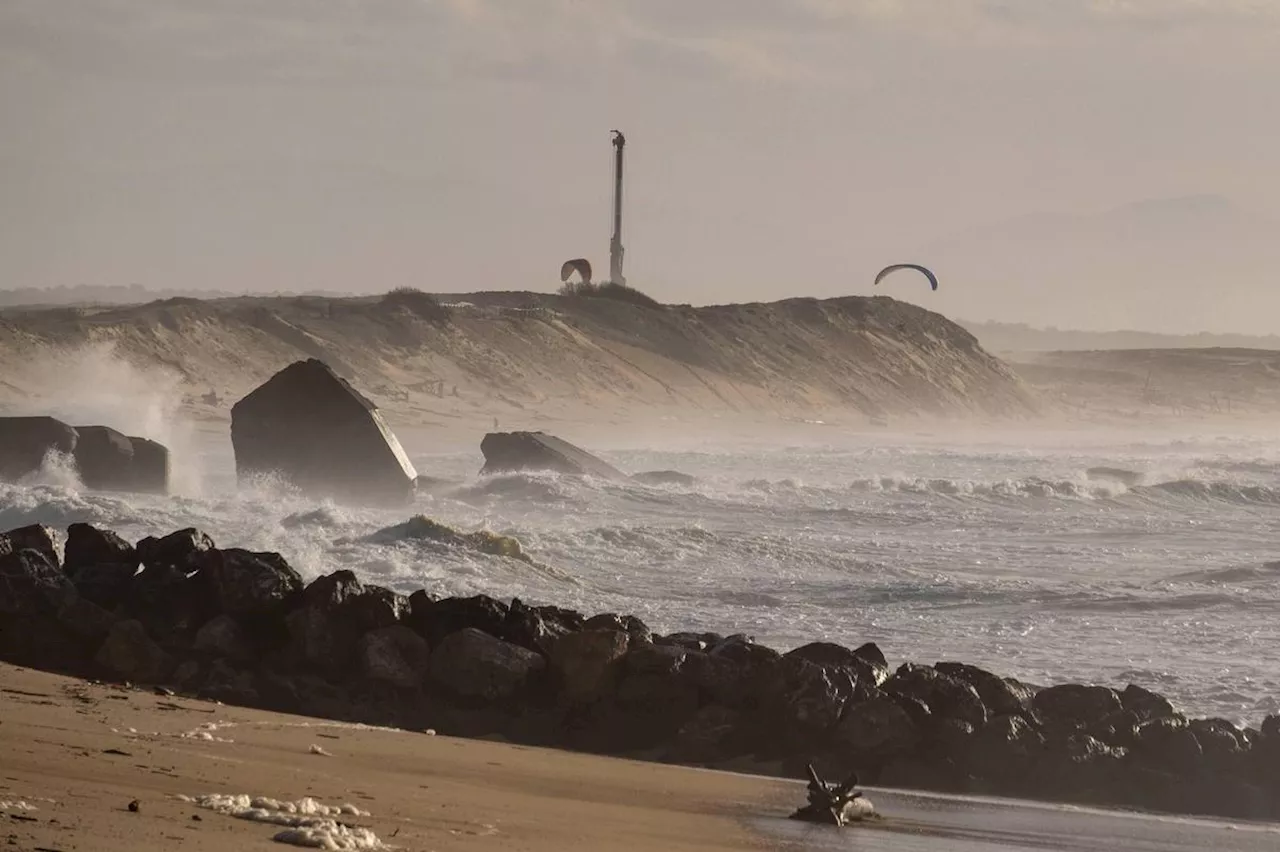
x: 615, y: 243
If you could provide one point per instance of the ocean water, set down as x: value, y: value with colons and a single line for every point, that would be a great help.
x: 997, y: 550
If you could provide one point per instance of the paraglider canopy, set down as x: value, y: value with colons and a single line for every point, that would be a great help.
x: 889, y: 270
x: 580, y: 265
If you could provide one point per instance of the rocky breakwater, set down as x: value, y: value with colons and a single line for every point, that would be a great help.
x: 243, y: 627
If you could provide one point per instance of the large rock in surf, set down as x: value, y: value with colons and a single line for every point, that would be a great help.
x: 104, y: 458
x: 317, y: 432
x: 516, y: 451
x: 24, y: 442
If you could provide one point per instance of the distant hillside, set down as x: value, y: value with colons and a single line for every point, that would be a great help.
x: 1019, y: 337
x: 500, y: 354
x: 95, y: 294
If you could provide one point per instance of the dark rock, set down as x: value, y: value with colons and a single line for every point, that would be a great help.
x: 375, y: 608
x: 317, y: 432
x: 1119, y: 729
x: 665, y: 477
x: 324, y: 629
x: 1222, y: 743
x: 691, y: 641
x: 438, y: 619
x: 1167, y: 744
x: 107, y: 584
x: 710, y: 736
x: 87, y: 545
x: 150, y: 466
x: 172, y: 603
x: 36, y: 537
x: 877, y: 729
x: 801, y: 702
x: 30, y: 584
x: 104, y: 458
x: 587, y: 663
x: 742, y: 651
x: 86, y: 620
x: 945, y: 696
x: 224, y: 683
x: 539, y: 628
x: 472, y: 664
x: 1075, y: 705
x: 395, y: 655
x: 175, y: 551
x: 247, y: 584
x: 1002, y: 696
x: 129, y: 653
x: 829, y: 654
x: 222, y: 636
x: 1005, y: 749
x: 629, y: 624
x: 1073, y: 768
x: 25, y: 441
x: 870, y: 652
x: 538, y: 451
x: 1145, y: 703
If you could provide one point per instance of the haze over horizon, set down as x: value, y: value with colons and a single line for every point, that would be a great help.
x: 1088, y: 164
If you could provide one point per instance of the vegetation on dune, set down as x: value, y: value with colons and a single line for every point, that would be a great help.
x: 608, y: 290
x: 416, y: 302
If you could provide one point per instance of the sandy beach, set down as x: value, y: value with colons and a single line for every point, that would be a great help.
x: 76, y: 755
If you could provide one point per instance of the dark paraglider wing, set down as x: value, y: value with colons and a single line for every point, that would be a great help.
x: 580, y: 265
x: 889, y: 270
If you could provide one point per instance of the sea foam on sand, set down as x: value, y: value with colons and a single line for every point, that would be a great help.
x: 307, y: 822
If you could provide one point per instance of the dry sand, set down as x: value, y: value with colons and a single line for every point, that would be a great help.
x: 73, y: 755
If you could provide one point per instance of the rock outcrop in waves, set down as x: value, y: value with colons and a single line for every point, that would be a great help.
x: 507, y: 353
x: 242, y: 628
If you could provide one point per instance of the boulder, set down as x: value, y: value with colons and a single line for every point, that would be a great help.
x: 1005, y: 749
x: 877, y: 729
x: 1002, y: 696
x: 87, y: 545
x: 129, y: 653
x: 1167, y: 744
x: 945, y: 696
x: 709, y: 736
x: 474, y: 665
x: 537, y: 451
x: 86, y: 620
x: 247, y: 584
x: 539, y: 628
x: 1075, y: 705
x: 394, y: 655
x: 25, y: 441
x: 36, y: 537
x: 318, y: 433
x: 150, y: 466
x: 829, y: 654
x: 107, y: 584
x: 587, y: 663
x: 104, y: 458
x: 1146, y: 704
x: 175, y: 551
x: 222, y: 636
x: 438, y: 619
x: 30, y: 584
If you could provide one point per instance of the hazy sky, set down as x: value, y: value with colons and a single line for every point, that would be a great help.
x: 776, y: 147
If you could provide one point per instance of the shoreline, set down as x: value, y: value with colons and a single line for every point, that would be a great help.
x: 240, y: 627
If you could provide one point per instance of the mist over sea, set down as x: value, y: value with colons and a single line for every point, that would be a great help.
x: 1002, y: 551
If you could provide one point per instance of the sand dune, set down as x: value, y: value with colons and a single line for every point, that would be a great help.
x: 526, y: 356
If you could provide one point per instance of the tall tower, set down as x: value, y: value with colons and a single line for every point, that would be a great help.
x: 615, y: 244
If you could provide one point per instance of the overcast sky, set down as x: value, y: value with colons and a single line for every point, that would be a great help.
x: 776, y: 148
